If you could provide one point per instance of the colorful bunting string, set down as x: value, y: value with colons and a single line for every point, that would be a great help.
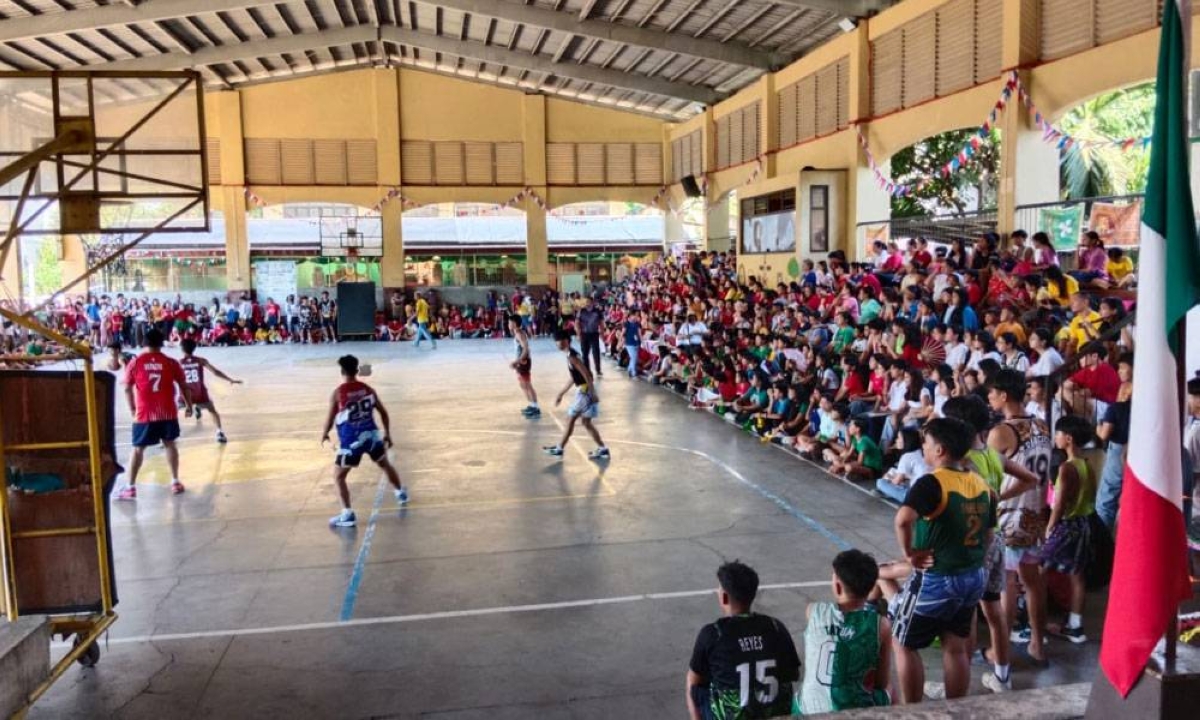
x: 1063, y: 140
x: 963, y: 157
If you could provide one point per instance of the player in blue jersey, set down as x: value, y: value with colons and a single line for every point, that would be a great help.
x: 353, y: 408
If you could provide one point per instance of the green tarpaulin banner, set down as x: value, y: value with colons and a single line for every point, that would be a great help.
x: 1063, y: 225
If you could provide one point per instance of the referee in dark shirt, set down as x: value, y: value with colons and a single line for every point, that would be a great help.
x: 591, y: 317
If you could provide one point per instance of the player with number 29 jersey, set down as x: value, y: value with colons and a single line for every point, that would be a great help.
x: 751, y: 666
x: 356, y: 416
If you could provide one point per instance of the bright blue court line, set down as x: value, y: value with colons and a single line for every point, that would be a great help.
x: 360, y: 564
x: 784, y: 505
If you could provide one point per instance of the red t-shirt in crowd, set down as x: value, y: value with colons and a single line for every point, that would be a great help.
x: 922, y: 258
x: 153, y: 376
x: 1101, y: 380
x: 854, y: 385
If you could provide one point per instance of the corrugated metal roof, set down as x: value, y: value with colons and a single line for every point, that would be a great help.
x: 663, y: 57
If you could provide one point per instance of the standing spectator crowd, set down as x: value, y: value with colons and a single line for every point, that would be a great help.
x: 980, y: 387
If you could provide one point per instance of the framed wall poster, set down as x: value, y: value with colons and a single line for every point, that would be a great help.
x: 818, y: 218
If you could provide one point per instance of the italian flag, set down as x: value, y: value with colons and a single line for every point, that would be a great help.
x: 1150, y: 574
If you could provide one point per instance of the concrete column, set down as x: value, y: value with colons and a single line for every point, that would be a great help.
x: 228, y: 127
x: 716, y: 226
x: 237, y: 242
x: 533, y: 116
x: 391, y: 265
x: 391, y: 175
x: 1028, y: 164
x: 74, y: 259
x: 865, y: 203
x: 537, y: 255
x: 10, y: 274
x: 768, y: 124
x: 672, y: 230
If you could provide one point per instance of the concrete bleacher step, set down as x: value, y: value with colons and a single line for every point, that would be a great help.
x: 1060, y: 702
x: 24, y: 660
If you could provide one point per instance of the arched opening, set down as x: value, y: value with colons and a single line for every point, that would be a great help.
x: 1108, y: 157
x: 598, y: 243
x: 188, y: 264
x: 308, y: 248
x: 464, y: 244
x: 931, y: 177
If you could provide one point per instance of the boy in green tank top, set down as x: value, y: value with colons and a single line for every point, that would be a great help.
x: 1068, y: 535
x: 847, y: 659
x: 992, y: 467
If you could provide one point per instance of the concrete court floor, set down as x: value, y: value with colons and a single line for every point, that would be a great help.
x: 514, y: 585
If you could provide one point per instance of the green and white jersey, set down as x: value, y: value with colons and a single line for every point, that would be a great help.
x: 841, y: 658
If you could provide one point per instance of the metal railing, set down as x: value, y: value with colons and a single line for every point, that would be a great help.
x: 1033, y: 218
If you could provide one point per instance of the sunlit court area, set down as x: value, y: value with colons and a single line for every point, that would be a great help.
x: 704, y: 359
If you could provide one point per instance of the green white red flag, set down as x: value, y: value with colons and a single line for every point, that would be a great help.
x: 1150, y: 574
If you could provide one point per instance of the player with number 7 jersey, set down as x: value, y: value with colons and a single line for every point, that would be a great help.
x: 151, y: 380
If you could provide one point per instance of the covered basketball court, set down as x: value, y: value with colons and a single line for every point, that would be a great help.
x: 513, y: 585
x: 467, y: 147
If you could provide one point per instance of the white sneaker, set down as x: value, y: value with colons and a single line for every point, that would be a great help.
x: 402, y: 496
x: 345, y: 518
x: 992, y: 682
x: 935, y: 691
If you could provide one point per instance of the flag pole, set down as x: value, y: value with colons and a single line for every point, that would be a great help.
x: 1172, y: 639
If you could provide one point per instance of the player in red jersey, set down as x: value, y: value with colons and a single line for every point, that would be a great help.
x: 193, y: 375
x: 353, y: 408
x: 150, y: 383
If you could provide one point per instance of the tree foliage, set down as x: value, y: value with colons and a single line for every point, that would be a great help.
x: 971, y: 186
x: 1107, y: 169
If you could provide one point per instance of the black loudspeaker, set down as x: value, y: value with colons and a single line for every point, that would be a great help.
x: 356, y: 308
x: 691, y: 188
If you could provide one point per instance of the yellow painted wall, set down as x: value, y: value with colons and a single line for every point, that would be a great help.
x: 568, y: 121
x: 433, y: 107
x: 336, y: 106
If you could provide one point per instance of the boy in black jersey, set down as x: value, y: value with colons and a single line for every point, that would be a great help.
x: 744, y: 665
x: 584, y: 407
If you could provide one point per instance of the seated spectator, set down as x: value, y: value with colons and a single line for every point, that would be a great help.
x: 1090, y: 390
x: 847, y: 658
x: 1048, y: 358
x: 826, y: 429
x: 1092, y: 261
x: 910, y: 466
x: 1120, y: 268
x: 861, y: 459
x: 739, y: 649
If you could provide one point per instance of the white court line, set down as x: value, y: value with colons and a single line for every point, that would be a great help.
x: 445, y: 615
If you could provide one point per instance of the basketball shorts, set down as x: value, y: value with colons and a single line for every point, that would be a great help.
x: 584, y: 405
x: 368, y: 443
x: 524, y: 369
x: 149, y: 434
x: 931, y: 604
x: 993, y: 566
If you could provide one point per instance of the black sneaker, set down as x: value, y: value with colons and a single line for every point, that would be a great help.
x: 1074, y: 635
x: 554, y: 450
x: 531, y: 411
